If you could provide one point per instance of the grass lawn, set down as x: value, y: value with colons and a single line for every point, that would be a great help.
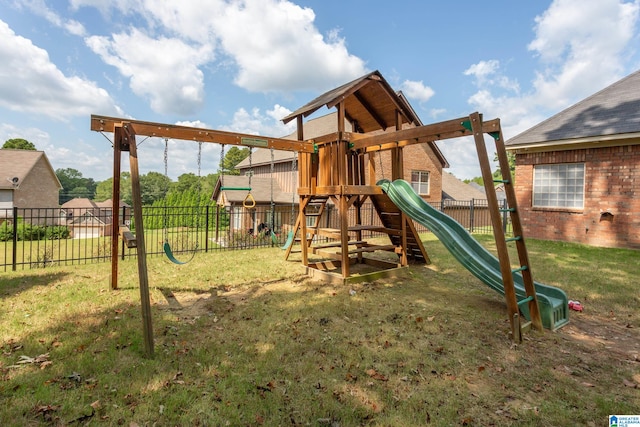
x: 244, y: 338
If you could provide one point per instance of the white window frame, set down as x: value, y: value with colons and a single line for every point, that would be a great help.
x: 419, y: 185
x: 559, y: 186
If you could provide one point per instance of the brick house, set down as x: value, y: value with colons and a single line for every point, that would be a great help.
x: 578, y: 172
x: 27, y: 181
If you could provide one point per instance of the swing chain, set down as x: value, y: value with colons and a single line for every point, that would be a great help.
x: 222, y: 165
x: 165, y: 217
x: 198, y: 189
x: 273, y: 221
x: 293, y: 188
x: 250, y: 166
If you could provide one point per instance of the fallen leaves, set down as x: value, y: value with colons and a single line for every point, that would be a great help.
x: 41, y: 360
x: 376, y: 375
x: 46, y: 411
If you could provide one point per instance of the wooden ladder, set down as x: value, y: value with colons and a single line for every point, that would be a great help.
x: 312, y: 207
x: 518, y: 326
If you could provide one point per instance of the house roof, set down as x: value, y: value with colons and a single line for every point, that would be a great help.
x: 454, y: 189
x: 80, y: 202
x: 369, y: 101
x: 18, y: 164
x: 613, y: 112
x: 109, y: 204
x: 260, y: 190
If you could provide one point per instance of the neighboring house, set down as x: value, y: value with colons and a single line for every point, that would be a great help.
x: 27, y: 181
x: 454, y: 189
x: 124, y: 211
x: 87, y: 219
x: 466, y: 203
x: 423, y: 165
x: 578, y: 172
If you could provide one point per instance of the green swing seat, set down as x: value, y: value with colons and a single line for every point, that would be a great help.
x: 289, y: 240
x: 169, y: 253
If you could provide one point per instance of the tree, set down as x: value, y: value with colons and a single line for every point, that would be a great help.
x: 153, y: 186
x: 478, y: 180
x: 75, y: 185
x: 186, y: 182
x: 104, y: 189
x: 511, y: 157
x: 208, y: 183
x: 19, y: 144
x: 234, y: 156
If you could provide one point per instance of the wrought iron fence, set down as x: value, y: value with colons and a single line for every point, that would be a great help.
x: 44, y: 237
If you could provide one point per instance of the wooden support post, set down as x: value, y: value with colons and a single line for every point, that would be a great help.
x: 496, y: 221
x: 142, y: 252
x: 344, y: 234
x: 523, y: 255
x: 398, y: 159
x: 115, y: 199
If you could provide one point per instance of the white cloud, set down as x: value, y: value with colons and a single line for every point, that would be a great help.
x: 31, y: 83
x: 277, y: 48
x: 193, y: 124
x: 581, y: 48
x: 273, y: 44
x: 576, y: 59
x: 258, y: 123
x: 487, y: 73
x: 164, y: 70
x: 482, y: 70
x: 578, y: 56
x: 39, y: 7
x: 36, y: 136
x: 416, y: 90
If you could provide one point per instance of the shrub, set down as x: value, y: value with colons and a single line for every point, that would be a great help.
x: 57, y: 232
x: 6, y: 232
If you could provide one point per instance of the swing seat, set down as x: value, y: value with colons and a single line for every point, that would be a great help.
x: 289, y: 240
x: 169, y: 253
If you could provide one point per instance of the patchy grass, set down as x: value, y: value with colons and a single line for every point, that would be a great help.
x: 244, y: 338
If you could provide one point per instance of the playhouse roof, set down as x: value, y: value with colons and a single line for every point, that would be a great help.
x: 369, y: 101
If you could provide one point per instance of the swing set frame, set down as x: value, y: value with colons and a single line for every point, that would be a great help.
x: 340, y: 166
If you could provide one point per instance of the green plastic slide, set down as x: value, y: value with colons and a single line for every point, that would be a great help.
x: 473, y: 256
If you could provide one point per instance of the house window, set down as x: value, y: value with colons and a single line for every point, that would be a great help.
x: 559, y: 185
x: 420, y: 181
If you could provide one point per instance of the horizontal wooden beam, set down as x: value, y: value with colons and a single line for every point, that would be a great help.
x: 432, y: 132
x: 186, y: 133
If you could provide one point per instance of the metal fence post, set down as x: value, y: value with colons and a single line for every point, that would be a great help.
x: 206, y: 228
x: 471, y: 215
x: 124, y: 212
x: 504, y: 215
x: 14, y: 251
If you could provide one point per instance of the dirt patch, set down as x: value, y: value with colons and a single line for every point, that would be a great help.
x: 620, y: 341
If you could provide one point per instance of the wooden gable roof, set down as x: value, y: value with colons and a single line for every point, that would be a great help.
x: 610, y: 115
x: 370, y: 104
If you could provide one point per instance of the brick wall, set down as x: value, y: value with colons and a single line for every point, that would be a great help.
x: 38, y: 189
x: 416, y: 157
x: 611, y: 214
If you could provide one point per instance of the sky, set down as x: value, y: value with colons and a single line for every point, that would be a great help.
x: 242, y: 65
